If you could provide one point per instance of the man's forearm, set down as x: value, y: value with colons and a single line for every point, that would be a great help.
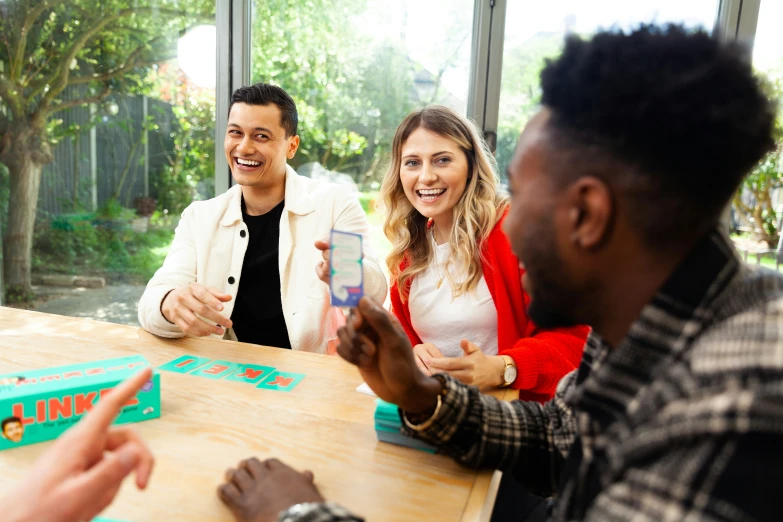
x: 481, y: 431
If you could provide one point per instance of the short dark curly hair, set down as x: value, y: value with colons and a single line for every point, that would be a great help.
x: 266, y: 94
x: 9, y: 420
x: 672, y: 118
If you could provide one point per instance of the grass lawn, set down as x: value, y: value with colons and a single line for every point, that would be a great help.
x: 767, y: 261
x: 744, y: 242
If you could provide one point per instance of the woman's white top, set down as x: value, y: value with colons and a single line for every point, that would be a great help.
x: 440, y: 319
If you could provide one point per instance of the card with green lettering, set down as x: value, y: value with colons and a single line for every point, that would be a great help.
x: 217, y: 369
x: 251, y: 373
x: 184, y: 364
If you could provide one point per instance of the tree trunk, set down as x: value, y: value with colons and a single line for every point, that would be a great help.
x: 755, y: 214
x: 25, y: 153
x: 760, y: 230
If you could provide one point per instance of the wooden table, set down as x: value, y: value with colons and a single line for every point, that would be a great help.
x: 324, y: 425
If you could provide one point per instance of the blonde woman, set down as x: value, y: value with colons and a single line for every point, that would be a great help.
x: 456, y: 285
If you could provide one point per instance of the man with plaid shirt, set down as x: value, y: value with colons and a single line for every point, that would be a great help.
x: 619, y: 182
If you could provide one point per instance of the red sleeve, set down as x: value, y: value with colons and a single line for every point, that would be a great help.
x: 542, y: 357
x: 545, y: 356
x: 402, y: 313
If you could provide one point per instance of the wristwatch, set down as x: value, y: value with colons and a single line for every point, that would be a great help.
x: 509, y: 374
x: 298, y: 511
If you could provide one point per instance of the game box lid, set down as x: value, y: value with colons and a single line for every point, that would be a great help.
x: 55, y: 379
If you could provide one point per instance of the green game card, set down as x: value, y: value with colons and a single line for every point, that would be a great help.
x: 250, y: 373
x: 184, y: 364
x: 281, y: 381
x: 217, y: 369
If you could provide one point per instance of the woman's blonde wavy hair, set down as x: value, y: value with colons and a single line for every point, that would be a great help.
x: 475, y: 214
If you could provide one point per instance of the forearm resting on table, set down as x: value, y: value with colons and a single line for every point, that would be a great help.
x: 482, y: 431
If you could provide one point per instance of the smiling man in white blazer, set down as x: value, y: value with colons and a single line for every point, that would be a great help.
x: 252, y: 263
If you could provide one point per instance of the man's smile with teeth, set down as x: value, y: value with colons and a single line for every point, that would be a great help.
x: 248, y: 163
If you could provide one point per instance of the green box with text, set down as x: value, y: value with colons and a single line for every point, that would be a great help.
x: 39, y: 405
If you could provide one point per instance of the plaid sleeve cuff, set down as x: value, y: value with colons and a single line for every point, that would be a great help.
x: 482, y: 431
x: 454, y: 408
x: 320, y: 512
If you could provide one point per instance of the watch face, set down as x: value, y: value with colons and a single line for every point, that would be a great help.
x: 510, y: 375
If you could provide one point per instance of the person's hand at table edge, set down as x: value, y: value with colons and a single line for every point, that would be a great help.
x: 475, y: 368
x: 259, y: 491
x: 81, y: 473
x: 195, y: 309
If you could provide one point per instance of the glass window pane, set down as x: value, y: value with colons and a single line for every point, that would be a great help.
x: 356, y: 68
x: 535, y: 31
x: 107, y: 118
x: 758, y: 208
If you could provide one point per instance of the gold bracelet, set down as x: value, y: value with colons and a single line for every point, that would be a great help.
x: 427, y: 423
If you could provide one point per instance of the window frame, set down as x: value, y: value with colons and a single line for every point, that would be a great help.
x: 735, y: 20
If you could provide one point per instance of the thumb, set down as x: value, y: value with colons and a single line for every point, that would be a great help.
x: 218, y: 294
x: 321, y: 245
x: 93, y: 490
x: 112, y: 468
x: 468, y: 347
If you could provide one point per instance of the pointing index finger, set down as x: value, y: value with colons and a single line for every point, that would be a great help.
x: 108, y: 407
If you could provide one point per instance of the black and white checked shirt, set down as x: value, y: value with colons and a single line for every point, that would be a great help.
x: 682, y: 421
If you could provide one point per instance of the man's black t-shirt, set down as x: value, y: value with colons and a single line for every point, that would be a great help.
x: 258, y: 312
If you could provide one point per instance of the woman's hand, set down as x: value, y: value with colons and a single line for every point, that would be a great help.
x: 474, y: 368
x: 424, y: 353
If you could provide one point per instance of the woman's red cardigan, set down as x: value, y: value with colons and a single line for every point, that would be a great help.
x: 542, y: 357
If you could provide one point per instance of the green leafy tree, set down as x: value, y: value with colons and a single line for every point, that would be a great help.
x: 765, y: 178
x: 191, y: 162
x: 57, y: 55
x: 520, y: 89
x: 387, y: 98
x: 310, y: 49
x: 351, y: 95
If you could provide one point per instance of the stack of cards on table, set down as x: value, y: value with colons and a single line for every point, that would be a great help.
x: 38, y: 405
x: 388, y: 424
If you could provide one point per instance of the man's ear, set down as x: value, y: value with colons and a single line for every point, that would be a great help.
x: 293, y: 146
x: 590, y: 213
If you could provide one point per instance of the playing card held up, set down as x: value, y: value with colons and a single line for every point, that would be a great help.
x: 346, y: 279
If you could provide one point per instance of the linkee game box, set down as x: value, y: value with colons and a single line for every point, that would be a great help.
x: 39, y: 405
